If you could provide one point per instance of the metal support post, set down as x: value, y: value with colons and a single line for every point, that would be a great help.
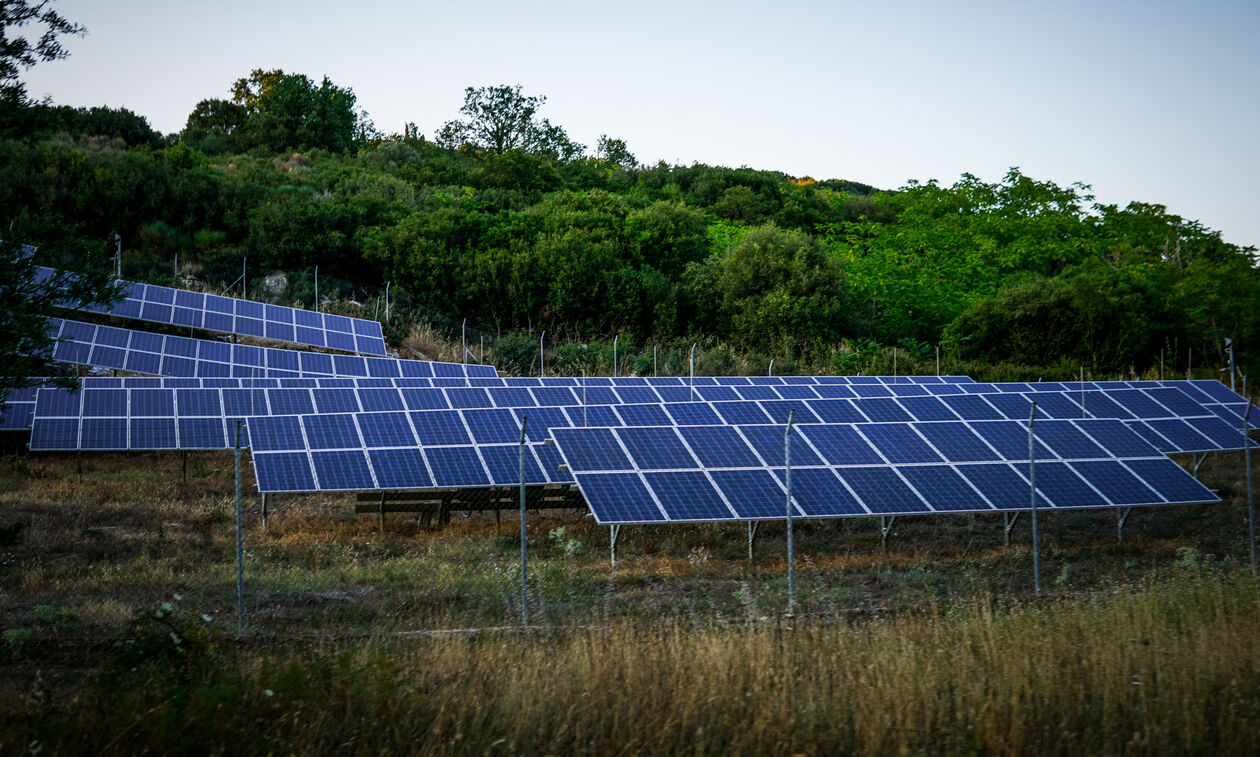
x: 262, y: 508
x: 387, y: 301
x: 117, y: 256
x: 524, y: 543
x: 752, y: 535
x: 885, y: 528
x: 615, y: 338
x: 613, y: 532
x: 691, y: 395
x: 894, y: 362
x: 541, y: 358
x: 787, y: 480
x: 770, y: 372
x: 1198, y: 460
x: 1251, y: 503
x: 463, y: 341
x: 938, y: 360
x: 1032, y: 494
x: 1122, y: 515
x: 240, y: 541
x: 380, y: 512
x: 1229, y: 345
x: 1008, y: 523
x: 654, y: 349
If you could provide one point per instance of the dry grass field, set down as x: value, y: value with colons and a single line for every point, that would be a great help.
x: 117, y: 608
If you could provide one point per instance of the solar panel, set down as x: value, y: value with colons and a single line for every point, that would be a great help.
x: 177, y: 356
x: 228, y: 315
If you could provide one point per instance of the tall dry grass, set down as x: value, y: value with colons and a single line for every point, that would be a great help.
x: 1169, y: 665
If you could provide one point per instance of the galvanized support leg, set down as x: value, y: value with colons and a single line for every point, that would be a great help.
x: 1008, y: 523
x: 885, y: 528
x: 263, y: 508
x: 752, y: 535
x: 613, y: 532
x: 1198, y: 460
x: 380, y: 512
x: 1122, y: 515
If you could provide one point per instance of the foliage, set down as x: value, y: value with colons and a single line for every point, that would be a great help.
x: 501, y: 119
x: 18, y: 52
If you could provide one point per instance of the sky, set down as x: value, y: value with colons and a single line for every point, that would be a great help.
x: 1144, y: 101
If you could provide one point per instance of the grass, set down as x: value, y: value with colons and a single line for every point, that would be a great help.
x: 936, y: 645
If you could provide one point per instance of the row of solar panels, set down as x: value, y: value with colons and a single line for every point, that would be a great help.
x: 707, y: 473
x: 651, y: 475
x: 202, y: 418
x: 166, y: 355
x: 228, y: 315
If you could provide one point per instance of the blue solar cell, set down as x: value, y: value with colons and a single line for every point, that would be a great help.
x: 384, y: 367
x: 336, y: 400
x: 194, y: 402
x: 511, y: 397
x: 779, y: 410
x: 152, y: 402
x: 400, y: 469
x: 619, y: 498
x: 150, y: 311
x: 239, y: 403
x: 541, y: 421
x: 1117, y: 438
x: 447, y: 369
x: 1139, y: 403
x: 1181, y: 435
x: 970, y: 407
x: 819, y: 493
x: 339, y: 341
x: 108, y: 357
x: 1116, y: 482
x: 456, y: 466
x: 592, y: 415
x: 343, y: 470
x: 898, y: 443
x: 1001, y: 484
x: 555, y: 396
x: 757, y: 392
x: 596, y: 395
x: 692, y: 414
x: 105, y: 402
x: 492, y: 425
x: 838, y: 411
x: 678, y: 393
x: 956, y: 442
x: 504, y: 464
x: 275, y: 433
x: 1216, y: 390
x: 943, y: 488
x: 839, y: 445
x: 1013, y: 406
x: 1064, y: 489
x: 1067, y: 441
x: 349, y: 365
x: 217, y: 322
x: 637, y: 394
x: 742, y: 412
x: 282, y: 332
x: 1225, y: 435
x: 384, y: 429
x: 290, y: 401
x: 1010, y: 439
x: 420, y: 398
x: 1055, y: 405
x: 315, y: 362
x: 688, y: 495
x: 882, y: 491
x: 152, y: 433
x: 551, y: 462
x: 201, y: 433
x: 717, y: 393
x: 437, y: 427
x: 374, y: 399
x: 885, y: 410
x: 719, y: 447
x: 768, y: 441
x: 54, y: 433
x: 643, y: 415
x: 752, y: 493
x: 1177, y: 402
x: 871, y: 390
x: 59, y: 402
x: 798, y: 392
x: 250, y: 327
x: 656, y: 448
x: 926, y: 409
x: 592, y: 449
x: 1170, y: 480
x: 834, y: 391
x: 104, y: 433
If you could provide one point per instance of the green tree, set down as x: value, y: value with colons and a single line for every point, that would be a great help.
x: 616, y: 152
x: 20, y: 52
x: 500, y: 119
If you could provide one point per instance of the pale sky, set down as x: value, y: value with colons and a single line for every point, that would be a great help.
x: 1148, y: 101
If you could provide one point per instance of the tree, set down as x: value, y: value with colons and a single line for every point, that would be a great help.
x: 616, y: 152
x: 499, y: 119
x: 19, y: 53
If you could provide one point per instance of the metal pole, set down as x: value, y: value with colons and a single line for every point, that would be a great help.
x: 117, y: 256
x: 387, y: 283
x: 894, y: 361
x: 177, y: 266
x: 787, y: 480
x: 1251, y: 503
x: 240, y: 542
x: 771, y: 371
x: 463, y: 341
x: 1229, y: 343
x: 654, y: 347
x: 540, y: 353
x: 244, y: 288
x: 1032, y: 493
x: 938, y: 360
x: 524, y: 544
x: 691, y: 394
x: 615, y: 338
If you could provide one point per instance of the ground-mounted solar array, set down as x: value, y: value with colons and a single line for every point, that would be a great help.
x: 229, y: 315
x: 167, y: 355
x: 729, y: 473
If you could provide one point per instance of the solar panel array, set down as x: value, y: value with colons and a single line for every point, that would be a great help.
x: 228, y: 315
x: 19, y: 408
x: 727, y: 473
x: 167, y: 355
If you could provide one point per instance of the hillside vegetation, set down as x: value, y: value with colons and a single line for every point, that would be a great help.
x: 503, y: 220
